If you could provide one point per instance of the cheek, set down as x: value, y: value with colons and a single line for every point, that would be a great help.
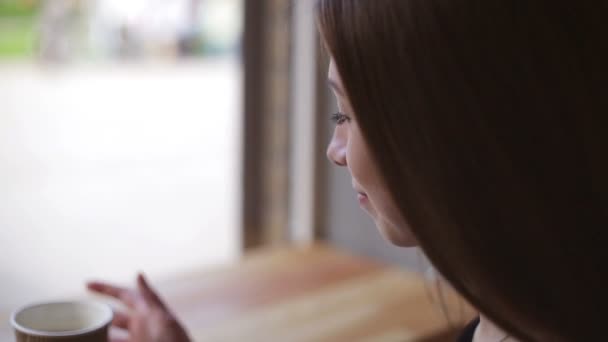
x: 359, y: 162
x: 390, y: 222
x: 383, y: 211
x: 383, y: 206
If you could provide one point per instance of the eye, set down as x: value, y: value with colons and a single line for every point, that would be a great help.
x: 339, y: 118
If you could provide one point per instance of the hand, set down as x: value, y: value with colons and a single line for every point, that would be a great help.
x: 148, y: 320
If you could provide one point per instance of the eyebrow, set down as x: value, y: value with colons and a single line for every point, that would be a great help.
x: 334, y: 85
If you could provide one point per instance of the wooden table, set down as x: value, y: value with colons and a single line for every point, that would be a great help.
x: 308, y: 294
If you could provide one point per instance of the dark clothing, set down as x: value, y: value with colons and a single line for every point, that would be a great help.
x: 469, y: 331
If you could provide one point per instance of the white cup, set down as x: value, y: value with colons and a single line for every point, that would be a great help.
x: 63, y: 321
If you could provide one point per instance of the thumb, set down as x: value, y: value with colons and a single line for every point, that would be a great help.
x: 149, y: 295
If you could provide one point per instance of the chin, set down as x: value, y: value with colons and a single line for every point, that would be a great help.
x: 401, y: 237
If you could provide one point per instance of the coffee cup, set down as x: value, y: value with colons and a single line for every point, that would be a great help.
x: 76, y: 321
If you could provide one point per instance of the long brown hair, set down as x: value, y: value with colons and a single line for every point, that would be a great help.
x: 488, y: 121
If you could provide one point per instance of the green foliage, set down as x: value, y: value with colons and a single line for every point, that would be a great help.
x: 18, y: 27
x: 17, y: 39
x: 18, y: 8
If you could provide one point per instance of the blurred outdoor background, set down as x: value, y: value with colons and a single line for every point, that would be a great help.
x: 120, y: 141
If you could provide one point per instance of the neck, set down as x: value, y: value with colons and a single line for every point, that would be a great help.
x: 487, y: 331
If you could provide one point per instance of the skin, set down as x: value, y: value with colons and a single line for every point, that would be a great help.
x: 150, y: 320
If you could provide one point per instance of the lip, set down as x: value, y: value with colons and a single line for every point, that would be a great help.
x: 362, y: 198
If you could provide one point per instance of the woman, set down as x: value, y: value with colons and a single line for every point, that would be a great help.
x: 475, y: 129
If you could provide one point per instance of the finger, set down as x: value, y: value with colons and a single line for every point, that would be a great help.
x: 147, y: 292
x: 123, y: 294
x: 117, y: 334
x: 119, y: 340
x: 121, y: 320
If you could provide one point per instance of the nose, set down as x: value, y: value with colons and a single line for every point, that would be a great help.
x: 336, y: 150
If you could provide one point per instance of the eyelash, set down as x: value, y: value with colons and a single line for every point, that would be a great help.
x: 339, y: 118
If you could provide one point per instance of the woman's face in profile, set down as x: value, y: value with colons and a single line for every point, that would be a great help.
x: 347, y: 148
